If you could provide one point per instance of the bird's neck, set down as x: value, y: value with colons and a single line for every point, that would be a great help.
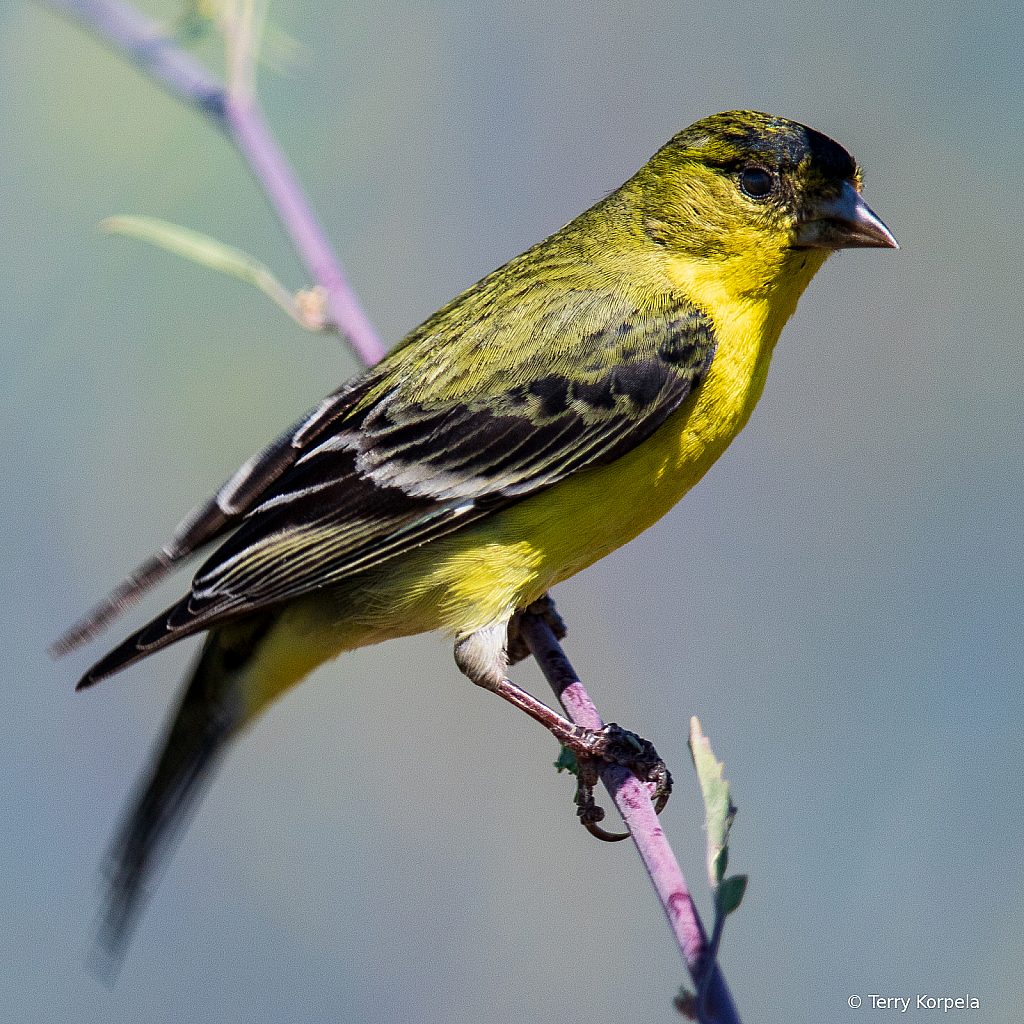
x: 755, y: 293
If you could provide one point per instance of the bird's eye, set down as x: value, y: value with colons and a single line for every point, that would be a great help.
x: 757, y: 182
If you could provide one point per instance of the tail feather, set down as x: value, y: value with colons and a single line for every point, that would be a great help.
x: 209, y: 715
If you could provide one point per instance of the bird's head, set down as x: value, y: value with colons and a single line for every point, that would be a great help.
x: 744, y: 184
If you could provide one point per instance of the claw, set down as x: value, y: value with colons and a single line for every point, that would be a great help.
x: 608, y: 837
x: 586, y: 809
x: 478, y: 658
x: 663, y: 788
x: 614, y: 745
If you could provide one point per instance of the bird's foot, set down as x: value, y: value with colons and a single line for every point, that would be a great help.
x: 618, y: 746
x: 484, y: 657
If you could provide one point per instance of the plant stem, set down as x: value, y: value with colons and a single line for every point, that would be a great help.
x: 633, y: 800
x: 146, y: 43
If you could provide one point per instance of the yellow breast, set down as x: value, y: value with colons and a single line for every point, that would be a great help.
x: 480, y: 575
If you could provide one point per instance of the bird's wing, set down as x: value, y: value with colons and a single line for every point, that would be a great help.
x: 409, y: 455
x: 410, y: 467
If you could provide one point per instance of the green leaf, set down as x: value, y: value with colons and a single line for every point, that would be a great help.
x: 718, y: 806
x: 203, y: 249
x: 567, y: 762
x: 193, y: 245
x: 730, y: 894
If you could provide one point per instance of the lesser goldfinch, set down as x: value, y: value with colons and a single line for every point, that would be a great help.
x: 537, y: 422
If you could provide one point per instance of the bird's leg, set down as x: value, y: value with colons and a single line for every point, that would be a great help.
x: 516, y: 647
x: 484, y: 657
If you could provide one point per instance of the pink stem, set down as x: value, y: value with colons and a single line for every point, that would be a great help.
x: 250, y: 133
x: 633, y: 800
x: 147, y: 45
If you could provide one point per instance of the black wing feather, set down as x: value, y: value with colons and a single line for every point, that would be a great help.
x: 424, y: 470
x: 214, y: 518
x: 385, y: 464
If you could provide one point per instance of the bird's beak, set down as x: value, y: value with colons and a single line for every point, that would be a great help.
x: 845, y: 222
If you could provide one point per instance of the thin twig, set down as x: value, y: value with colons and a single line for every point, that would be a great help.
x: 633, y: 800
x: 146, y: 43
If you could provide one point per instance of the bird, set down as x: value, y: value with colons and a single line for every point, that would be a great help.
x: 541, y: 419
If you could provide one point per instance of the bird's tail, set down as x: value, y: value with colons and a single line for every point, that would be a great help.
x: 211, y: 712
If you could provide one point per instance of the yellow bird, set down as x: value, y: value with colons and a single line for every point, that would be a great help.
x: 537, y: 422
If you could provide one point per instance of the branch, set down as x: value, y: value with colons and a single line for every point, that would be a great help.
x: 633, y: 800
x: 238, y: 115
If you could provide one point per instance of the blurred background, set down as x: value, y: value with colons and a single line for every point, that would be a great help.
x: 839, y: 601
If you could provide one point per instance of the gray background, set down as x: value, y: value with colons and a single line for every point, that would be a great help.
x: 839, y: 601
